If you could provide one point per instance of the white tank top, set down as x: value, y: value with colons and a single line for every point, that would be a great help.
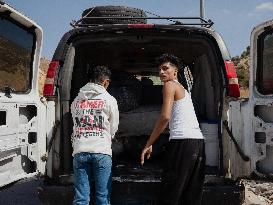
x: 183, y: 123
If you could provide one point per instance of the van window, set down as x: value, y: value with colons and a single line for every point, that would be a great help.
x: 16, y: 48
x: 265, y: 63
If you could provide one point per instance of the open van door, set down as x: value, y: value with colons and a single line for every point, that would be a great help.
x: 261, y: 98
x: 22, y: 114
x: 251, y: 119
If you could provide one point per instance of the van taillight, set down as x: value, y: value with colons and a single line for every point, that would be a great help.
x: 141, y: 25
x: 233, y: 85
x: 49, y: 87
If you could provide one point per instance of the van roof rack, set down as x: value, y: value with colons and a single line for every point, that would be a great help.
x: 203, y: 22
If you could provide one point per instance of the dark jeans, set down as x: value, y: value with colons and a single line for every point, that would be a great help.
x: 92, y: 171
x: 184, y: 173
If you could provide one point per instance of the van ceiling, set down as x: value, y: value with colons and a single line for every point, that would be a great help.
x: 134, y: 56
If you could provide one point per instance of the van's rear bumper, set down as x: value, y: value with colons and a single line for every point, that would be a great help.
x: 217, y: 190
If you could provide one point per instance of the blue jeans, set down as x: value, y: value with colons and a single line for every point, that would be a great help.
x: 92, y: 170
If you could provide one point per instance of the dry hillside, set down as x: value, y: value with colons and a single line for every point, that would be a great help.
x: 13, y: 67
x: 242, y: 68
x: 42, y: 74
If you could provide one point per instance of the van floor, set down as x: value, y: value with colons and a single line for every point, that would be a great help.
x: 135, y: 185
x: 136, y: 173
x: 129, y: 172
x: 217, y: 190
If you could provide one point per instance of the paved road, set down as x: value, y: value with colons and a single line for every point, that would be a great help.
x: 20, y: 193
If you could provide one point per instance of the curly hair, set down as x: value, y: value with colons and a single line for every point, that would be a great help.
x: 99, y: 73
x: 166, y: 57
x: 172, y: 59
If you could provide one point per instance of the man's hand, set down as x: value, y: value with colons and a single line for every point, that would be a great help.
x: 146, y: 151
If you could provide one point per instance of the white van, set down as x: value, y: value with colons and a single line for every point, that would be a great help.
x: 35, y: 132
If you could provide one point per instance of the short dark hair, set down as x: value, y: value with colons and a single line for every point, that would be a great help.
x: 99, y: 73
x: 166, y: 57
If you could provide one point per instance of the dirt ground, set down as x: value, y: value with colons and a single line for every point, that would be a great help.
x: 42, y: 74
x: 258, y: 192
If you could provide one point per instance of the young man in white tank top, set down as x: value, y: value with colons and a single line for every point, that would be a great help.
x: 183, y: 174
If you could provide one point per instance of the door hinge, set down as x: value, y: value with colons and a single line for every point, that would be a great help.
x: 44, y: 157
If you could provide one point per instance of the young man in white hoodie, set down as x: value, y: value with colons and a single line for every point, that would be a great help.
x: 96, y: 118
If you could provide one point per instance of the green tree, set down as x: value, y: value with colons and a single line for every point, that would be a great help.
x: 242, y: 67
x: 243, y: 75
x: 236, y: 60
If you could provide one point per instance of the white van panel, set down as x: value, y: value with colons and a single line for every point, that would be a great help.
x: 261, y: 109
x: 50, y: 133
x: 240, y: 125
x: 22, y: 139
x: 22, y: 114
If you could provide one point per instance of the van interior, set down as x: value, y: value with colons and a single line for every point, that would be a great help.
x: 136, y: 86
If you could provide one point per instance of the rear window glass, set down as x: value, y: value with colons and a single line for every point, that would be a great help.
x: 16, y: 48
x: 265, y: 63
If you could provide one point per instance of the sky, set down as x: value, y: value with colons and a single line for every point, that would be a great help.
x: 233, y: 19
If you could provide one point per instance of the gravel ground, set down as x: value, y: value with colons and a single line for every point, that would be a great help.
x: 258, y: 192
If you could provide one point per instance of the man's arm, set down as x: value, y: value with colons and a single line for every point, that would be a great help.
x: 162, y: 122
x: 114, y: 118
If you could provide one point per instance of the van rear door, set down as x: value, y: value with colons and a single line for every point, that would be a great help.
x: 22, y: 114
x: 261, y: 98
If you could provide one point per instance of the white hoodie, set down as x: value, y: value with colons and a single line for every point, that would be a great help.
x: 96, y: 118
